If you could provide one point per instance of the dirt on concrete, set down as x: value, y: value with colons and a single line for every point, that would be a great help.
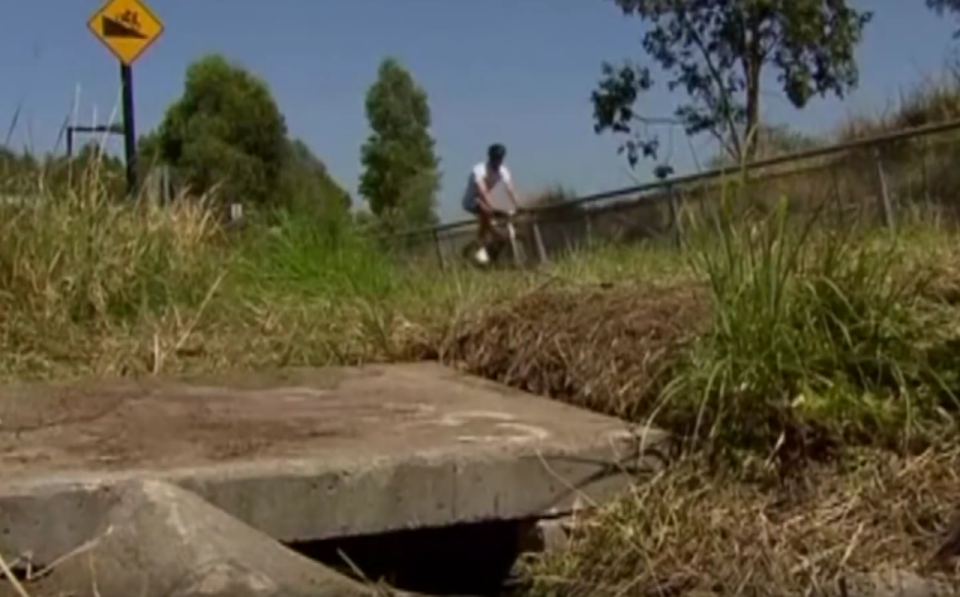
x: 356, y: 413
x: 125, y: 422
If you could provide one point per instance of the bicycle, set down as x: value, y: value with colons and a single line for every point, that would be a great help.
x: 504, y: 234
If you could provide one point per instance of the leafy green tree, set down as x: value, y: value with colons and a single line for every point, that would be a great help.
x: 149, y: 155
x: 306, y: 183
x: 227, y: 130
x: 401, y: 176
x: 942, y: 7
x: 717, y: 52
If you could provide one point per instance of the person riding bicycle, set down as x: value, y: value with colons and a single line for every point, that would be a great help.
x: 484, y: 177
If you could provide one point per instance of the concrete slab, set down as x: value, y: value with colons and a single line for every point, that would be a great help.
x: 304, y: 454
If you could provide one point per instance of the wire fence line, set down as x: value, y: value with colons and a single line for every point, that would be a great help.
x: 868, y: 179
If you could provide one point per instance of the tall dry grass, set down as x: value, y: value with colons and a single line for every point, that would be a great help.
x: 91, y: 284
x: 80, y: 265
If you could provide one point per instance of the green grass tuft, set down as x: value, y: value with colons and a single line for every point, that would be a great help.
x: 817, y: 339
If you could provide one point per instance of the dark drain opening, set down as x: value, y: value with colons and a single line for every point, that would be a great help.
x: 468, y: 559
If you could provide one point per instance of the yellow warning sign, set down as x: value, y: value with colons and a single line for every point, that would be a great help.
x: 126, y: 27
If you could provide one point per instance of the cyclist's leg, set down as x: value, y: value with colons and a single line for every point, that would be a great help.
x: 479, y: 252
x: 484, y: 233
x: 484, y: 227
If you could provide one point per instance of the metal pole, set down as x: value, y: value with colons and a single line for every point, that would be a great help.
x: 675, y: 214
x: 129, y: 129
x: 588, y: 225
x: 538, y: 239
x: 439, y: 251
x: 886, y: 203
x: 837, y: 197
x: 925, y: 175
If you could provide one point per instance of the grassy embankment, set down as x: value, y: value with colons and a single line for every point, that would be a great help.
x: 770, y: 344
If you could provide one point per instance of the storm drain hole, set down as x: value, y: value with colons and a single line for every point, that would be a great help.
x: 467, y: 559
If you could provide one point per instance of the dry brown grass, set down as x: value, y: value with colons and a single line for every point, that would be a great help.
x: 608, y: 350
x: 693, y: 531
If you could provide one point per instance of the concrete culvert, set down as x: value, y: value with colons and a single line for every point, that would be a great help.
x: 162, y: 541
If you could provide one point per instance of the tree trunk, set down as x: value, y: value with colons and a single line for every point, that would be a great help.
x: 754, y: 61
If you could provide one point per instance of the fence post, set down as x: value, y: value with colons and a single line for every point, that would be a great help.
x: 538, y: 239
x: 925, y: 175
x: 588, y: 225
x: 886, y: 203
x: 675, y: 216
x: 439, y: 251
x: 837, y: 198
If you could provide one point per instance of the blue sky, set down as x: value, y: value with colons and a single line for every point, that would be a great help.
x: 515, y: 71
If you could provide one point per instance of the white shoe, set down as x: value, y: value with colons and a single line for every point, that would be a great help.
x: 481, y: 256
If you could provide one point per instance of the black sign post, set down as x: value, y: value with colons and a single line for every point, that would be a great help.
x: 127, y: 28
x: 129, y: 129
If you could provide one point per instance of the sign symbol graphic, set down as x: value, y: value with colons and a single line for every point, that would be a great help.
x: 126, y: 27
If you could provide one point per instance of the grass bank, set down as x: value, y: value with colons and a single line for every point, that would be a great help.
x: 770, y: 341
x: 773, y: 336
x: 822, y: 365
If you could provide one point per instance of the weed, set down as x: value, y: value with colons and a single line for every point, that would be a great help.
x: 817, y: 339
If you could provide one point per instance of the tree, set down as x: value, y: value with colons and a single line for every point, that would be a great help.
x: 226, y: 129
x: 401, y: 175
x: 306, y: 183
x: 942, y: 7
x: 149, y: 155
x: 717, y: 51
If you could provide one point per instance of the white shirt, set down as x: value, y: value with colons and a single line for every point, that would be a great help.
x: 491, y: 178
